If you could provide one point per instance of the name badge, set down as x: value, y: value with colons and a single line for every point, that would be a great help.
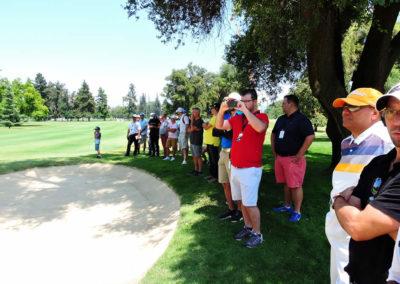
x: 281, y: 134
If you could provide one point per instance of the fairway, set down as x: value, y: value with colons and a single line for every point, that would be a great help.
x: 202, y: 249
x: 49, y: 139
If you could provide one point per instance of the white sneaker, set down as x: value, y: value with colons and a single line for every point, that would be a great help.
x: 166, y: 159
x: 172, y: 159
x: 184, y: 163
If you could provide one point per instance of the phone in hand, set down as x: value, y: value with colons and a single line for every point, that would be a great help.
x: 232, y: 104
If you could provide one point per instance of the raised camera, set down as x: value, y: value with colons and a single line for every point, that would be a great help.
x: 232, y: 104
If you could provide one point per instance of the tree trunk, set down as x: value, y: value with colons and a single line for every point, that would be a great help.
x: 380, y: 50
x: 325, y: 71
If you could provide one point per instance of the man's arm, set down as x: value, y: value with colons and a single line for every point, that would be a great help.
x: 257, y: 124
x: 220, y: 123
x: 365, y: 224
x: 306, y: 144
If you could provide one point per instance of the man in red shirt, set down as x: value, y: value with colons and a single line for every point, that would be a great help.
x: 248, y: 138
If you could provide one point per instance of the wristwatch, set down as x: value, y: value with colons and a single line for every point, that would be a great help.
x: 333, y: 199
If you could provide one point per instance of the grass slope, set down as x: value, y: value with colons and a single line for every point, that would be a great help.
x: 203, y: 249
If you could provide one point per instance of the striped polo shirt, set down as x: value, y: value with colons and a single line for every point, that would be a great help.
x: 357, y: 153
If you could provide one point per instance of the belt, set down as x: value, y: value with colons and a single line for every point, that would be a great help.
x: 286, y: 155
x: 226, y: 150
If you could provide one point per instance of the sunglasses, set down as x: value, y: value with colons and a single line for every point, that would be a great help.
x: 351, y: 108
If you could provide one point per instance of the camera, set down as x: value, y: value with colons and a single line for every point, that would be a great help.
x: 232, y: 104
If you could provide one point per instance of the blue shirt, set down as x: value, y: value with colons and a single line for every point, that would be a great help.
x: 143, y: 122
x: 226, y: 143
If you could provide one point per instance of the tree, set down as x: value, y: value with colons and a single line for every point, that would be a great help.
x: 9, y: 115
x: 274, y: 110
x: 4, y: 85
x: 102, y: 108
x: 142, y: 104
x: 283, y: 37
x: 28, y: 100
x: 84, y: 102
x: 118, y: 112
x: 157, y: 106
x: 130, y: 100
x: 40, y: 85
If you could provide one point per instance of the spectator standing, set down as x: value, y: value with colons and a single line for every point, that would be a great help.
x: 247, y: 144
x: 224, y: 167
x: 97, y: 137
x: 183, y: 133
x: 370, y: 212
x: 154, y: 127
x: 133, y: 136
x: 394, y: 271
x: 196, y: 140
x: 291, y: 136
x: 369, y: 138
x: 212, y: 143
x: 172, y: 140
x: 143, y: 134
x: 164, y: 133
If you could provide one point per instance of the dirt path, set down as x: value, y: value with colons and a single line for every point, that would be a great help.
x: 91, y: 223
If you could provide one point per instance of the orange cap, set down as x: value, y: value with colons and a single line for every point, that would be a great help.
x: 359, y: 97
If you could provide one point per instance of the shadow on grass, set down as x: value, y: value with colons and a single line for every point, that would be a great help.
x: 203, y: 249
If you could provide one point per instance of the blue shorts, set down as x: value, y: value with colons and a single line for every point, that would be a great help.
x: 97, y: 147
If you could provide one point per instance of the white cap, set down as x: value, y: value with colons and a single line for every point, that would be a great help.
x: 173, y: 116
x: 233, y: 96
x: 394, y: 92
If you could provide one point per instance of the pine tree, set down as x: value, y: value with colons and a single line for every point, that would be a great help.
x: 130, y: 100
x: 84, y: 102
x: 9, y: 115
x: 102, y: 108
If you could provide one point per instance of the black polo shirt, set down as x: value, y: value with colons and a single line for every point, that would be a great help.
x: 154, y: 132
x: 369, y: 261
x: 296, y: 128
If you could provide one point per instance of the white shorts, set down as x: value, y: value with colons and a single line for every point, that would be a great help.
x: 245, y: 183
x: 183, y: 141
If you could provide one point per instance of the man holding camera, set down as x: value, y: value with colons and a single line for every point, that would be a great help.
x: 248, y: 138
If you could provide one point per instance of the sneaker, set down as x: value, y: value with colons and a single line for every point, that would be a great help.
x: 236, y: 217
x: 199, y: 173
x: 211, y: 180
x: 243, y: 233
x: 184, y: 163
x: 284, y: 208
x: 227, y: 214
x: 166, y: 159
x: 295, y: 217
x: 173, y: 159
x: 254, y: 240
x: 98, y: 156
x: 208, y: 177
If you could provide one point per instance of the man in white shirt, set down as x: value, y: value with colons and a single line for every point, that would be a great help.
x: 183, y: 133
x: 133, y: 135
x: 172, y: 140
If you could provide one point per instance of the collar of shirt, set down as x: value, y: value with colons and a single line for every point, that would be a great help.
x: 372, y: 129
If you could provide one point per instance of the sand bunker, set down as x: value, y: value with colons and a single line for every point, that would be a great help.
x: 91, y: 223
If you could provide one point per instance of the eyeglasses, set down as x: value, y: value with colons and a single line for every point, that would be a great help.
x: 246, y: 101
x: 390, y: 114
x: 351, y: 108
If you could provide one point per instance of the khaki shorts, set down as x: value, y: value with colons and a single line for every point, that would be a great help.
x: 172, y: 142
x: 224, y: 171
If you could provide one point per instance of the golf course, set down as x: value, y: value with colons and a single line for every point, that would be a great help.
x: 202, y: 249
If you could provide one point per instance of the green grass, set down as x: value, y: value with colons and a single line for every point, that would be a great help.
x: 203, y: 249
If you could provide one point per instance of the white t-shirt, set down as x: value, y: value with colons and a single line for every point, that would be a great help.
x: 394, y: 271
x: 134, y: 127
x: 184, y: 123
x: 173, y: 134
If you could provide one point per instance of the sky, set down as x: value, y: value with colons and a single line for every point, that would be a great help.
x: 94, y: 40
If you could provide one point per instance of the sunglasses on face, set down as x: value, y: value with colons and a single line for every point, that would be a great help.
x: 351, y: 108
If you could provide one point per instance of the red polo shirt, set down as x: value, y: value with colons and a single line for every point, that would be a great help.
x: 247, y: 152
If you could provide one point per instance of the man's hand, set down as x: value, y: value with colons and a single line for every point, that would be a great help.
x: 347, y: 192
x: 296, y: 158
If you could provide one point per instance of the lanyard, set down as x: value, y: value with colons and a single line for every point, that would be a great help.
x: 247, y: 122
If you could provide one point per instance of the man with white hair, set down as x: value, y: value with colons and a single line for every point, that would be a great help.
x: 133, y: 135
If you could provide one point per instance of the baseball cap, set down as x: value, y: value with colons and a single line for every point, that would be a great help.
x: 133, y: 115
x: 173, y: 116
x: 233, y: 96
x: 383, y: 100
x: 359, y: 97
x: 97, y: 128
x: 180, y: 110
x: 142, y: 113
